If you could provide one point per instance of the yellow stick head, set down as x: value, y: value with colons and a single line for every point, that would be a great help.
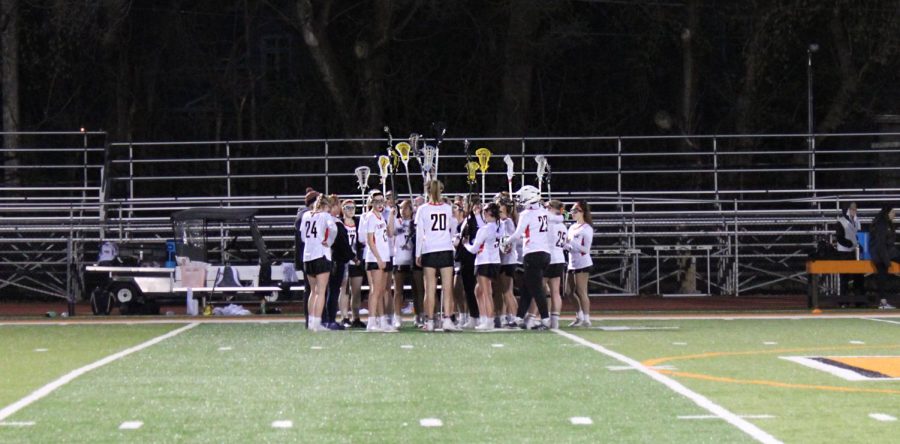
x: 484, y: 157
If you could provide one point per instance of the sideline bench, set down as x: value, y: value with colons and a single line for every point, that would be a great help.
x: 816, y: 268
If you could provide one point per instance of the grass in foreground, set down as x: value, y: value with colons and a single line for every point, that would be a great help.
x: 363, y: 387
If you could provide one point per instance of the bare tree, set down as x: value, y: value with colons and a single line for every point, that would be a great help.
x: 9, y: 71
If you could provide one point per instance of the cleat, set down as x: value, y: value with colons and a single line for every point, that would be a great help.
x: 585, y: 324
x: 449, y: 326
x: 428, y: 326
x: 346, y: 323
x: 358, y: 324
x: 540, y: 327
x: 576, y: 323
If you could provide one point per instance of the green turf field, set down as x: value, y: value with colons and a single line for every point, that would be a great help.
x: 231, y: 382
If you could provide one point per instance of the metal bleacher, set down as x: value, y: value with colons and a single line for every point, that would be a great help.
x: 749, y: 208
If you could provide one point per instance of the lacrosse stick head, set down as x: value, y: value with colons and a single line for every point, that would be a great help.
x: 402, y: 149
x: 429, y: 157
x: 484, y: 157
x: 541, y: 166
x: 362, y: 177
x: 384, y: 164
x: 507, y: 159
x: 471, y: 169
x: 395, y: 160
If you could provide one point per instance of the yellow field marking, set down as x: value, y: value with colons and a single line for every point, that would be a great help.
x: 886, y: 365
x: 776, y: 383
x: 657, y: 361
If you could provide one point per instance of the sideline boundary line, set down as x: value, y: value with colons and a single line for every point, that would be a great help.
x: 36, y: 395
x: 702, y: 401
x: 882, y: 320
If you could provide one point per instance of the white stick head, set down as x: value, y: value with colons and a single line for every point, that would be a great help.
x: 362, y: 177
x: 541, y: 166
x: 429, y: 154
x: 507, y: 159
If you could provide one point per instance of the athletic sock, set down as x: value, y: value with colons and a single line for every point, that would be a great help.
x: 554, y: 320
x: 587, y: 318
x: 580, y: 315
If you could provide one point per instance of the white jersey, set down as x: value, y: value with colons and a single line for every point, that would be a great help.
x: 486, y: 245
x: 507, y: 228
x: 435, y: 226
x: 580, y: 237
x: 318, y: 231
x: 558, y: 248
x: 534, y: 229
x: 376, y: 225
x: 403, y: 243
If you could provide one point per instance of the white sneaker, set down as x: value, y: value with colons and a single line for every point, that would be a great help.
x: 575, y: 323
x: 485, y: 326
x: 469, y: 324
x: 885, y: 306
x: 585, y: 324
x: 448, y: 325
x: 428, y: 326
x: 398, y: 321
x: 408, y: 309
x: 363, y: 311
x: 373, y: 325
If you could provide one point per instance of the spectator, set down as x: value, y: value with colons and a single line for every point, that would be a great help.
x: 882, y: 247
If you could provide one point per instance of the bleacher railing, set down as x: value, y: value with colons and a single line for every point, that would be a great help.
x: 759, y: 202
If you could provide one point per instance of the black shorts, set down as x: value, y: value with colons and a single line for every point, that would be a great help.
x: 374, y: 266
x: 355, y: 271
x: 403, y: 268
x: 317, y: 266
x: 509, y: 270
x: 438, y: 259
x: 582, y: 270
x: 555, y: 271
x: 487, y: 270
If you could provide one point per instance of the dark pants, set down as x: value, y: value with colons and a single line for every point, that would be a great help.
x: 333, y: 293
x: 467, y: 273
x: 858, y: 281
x: 533, y: 284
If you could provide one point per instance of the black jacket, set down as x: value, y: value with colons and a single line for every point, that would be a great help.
x: 341, y: 252
x: 882, y: 243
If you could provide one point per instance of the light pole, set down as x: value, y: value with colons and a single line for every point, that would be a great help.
x: 811, y: 142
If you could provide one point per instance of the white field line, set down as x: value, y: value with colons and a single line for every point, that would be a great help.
x: 883, y: 320
x: 716, y: 417
x: 882, y: 417
x: 702, y: 401
x: 9, y: 410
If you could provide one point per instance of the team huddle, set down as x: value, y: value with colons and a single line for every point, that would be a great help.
x: 472, y: 251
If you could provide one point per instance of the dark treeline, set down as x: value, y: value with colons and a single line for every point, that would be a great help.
x: 243, y: 69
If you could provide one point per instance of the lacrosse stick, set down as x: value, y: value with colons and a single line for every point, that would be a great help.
x: 471, y: 170
x: 541, y: 170
x: 429, y: 157
x: 510, y: 171
x: 362, y: 179
x: 384, y: 166
x: 402, y: 149
x: 484, y: 158
x: 439, y: 128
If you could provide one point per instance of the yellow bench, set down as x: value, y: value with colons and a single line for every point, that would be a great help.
x: 815, y: 268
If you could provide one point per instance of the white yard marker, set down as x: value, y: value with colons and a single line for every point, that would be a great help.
x: 40, y: 350
x: 406, y: 347
x: 131, y: 425
x: 9, y: 410
x: 702, y: 401
x: 882, y: 417
x: 282, y: 424
x: 431, y: 422
x: 679, y: 343
x: 497, y: 345
x: 621, y: 368
x: 857, y: 342
x: 716, y: 417
x: 770, y: 343
x: 882, y: 320
x: 581, y: 420
x: 224, y: 349
x: 17, y: 424
x: 315, y: 347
